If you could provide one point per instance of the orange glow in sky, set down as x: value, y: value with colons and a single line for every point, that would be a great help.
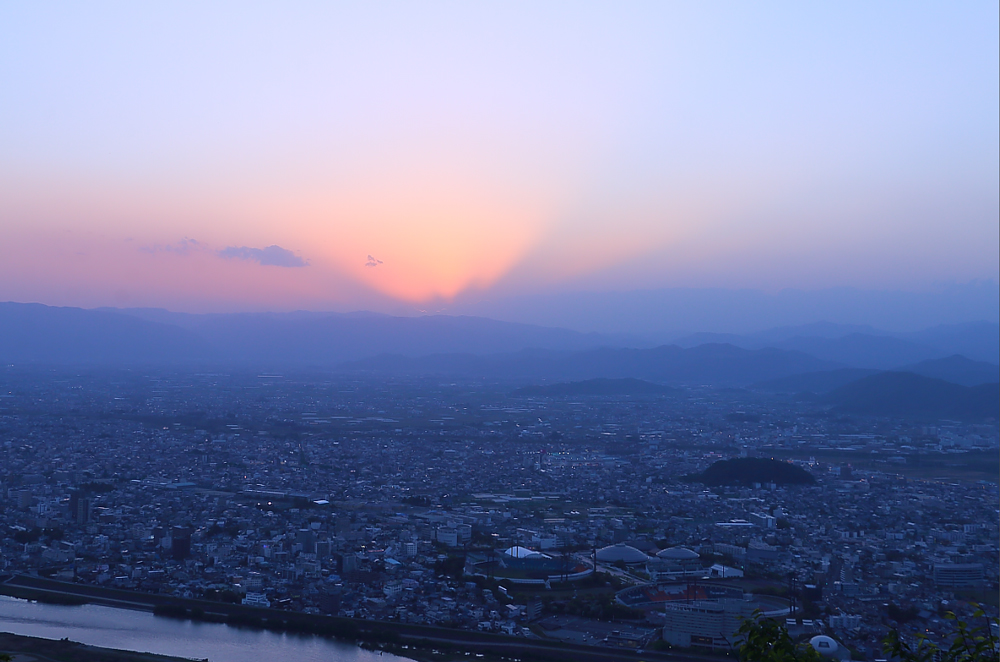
x: 200, y: 158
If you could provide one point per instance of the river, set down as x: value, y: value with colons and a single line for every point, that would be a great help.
x: 141, y: 631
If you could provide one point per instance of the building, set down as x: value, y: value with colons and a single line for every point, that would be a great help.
x: 533, y: 609
x: 180, y: 543
x: 828, y: 648
x: 763, y: 520
x: 958, y: 575
x: 522, y: 565
x: 254, y: 582
x: 675, y: 563
x: 256, y: 600
x: 759, y: 552
x: 81, y: 511
x: 621, y: 553
x: 447, y: 535
x: 844, y: 622
x: 720, y: 571
x: 708, y: 623
x: 307, y: 539
x: 735, y: 551
x: 700, y: 613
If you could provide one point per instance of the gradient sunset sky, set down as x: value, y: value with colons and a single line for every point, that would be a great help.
x: 239, y: 156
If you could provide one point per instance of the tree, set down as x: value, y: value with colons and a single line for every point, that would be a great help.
x: 971, y: 644
x: 766, y: 640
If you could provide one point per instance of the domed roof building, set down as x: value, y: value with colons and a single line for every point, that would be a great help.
x: 678, y: 554
x: 518, y: 552
x: 621, y: 552
x: 828, y: 648
x: 522, y: 565
x: 675, y: 563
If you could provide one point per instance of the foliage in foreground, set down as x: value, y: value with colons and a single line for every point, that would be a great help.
x: 971, y: 644
x: 766, y: 640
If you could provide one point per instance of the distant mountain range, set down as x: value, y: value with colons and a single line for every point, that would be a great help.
x: 956, y: 369
x: 819, y: 358
x: 33, y: 333
x: 865, y: 347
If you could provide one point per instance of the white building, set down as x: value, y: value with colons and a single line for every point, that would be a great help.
x: 709, y: 623
x: 447, y: 536
x: 763, y: 520
x: 844, y: 622
x: 675, y: 563
x: 256, y: 600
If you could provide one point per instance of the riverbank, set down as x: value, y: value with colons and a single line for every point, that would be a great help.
x: 64, y: 650
x: 405, y: 639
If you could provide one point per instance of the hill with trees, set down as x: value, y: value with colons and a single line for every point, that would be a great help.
x: 750, y: 470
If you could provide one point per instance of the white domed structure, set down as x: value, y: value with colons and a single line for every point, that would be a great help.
x: 828, y: 648
x: 675, y: 563
x: 518, y: 552
x: 678, y: 554
x: 621, y: 553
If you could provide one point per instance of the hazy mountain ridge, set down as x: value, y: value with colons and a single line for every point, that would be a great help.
x: 907, y: 395
x: 666, y: 314
x: 35, y: 333
x: 859, y: 350
x: 865, y: 347
x: 956, y: 369
x: 479, y: 347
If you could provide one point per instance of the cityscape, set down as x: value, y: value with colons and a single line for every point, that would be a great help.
x: 484, y: 506
x: 500, y: 331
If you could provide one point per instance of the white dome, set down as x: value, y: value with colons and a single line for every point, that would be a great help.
x: 825, y: 646
x: 678, y: 554
x: 621, y: 552
x: 523, y: 553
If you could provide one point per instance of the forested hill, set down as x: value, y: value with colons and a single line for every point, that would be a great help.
x: 749, y: 470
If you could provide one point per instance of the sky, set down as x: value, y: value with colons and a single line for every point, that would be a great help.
x: 415, y: 156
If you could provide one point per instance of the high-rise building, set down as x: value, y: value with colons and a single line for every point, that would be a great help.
x: 81, y: 513
x: 307, y: 539
x: 180, y: 543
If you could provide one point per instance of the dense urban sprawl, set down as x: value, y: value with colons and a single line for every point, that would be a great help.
x: 474, y: 506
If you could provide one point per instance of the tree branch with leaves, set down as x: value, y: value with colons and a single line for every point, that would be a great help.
x: 971, y: 644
